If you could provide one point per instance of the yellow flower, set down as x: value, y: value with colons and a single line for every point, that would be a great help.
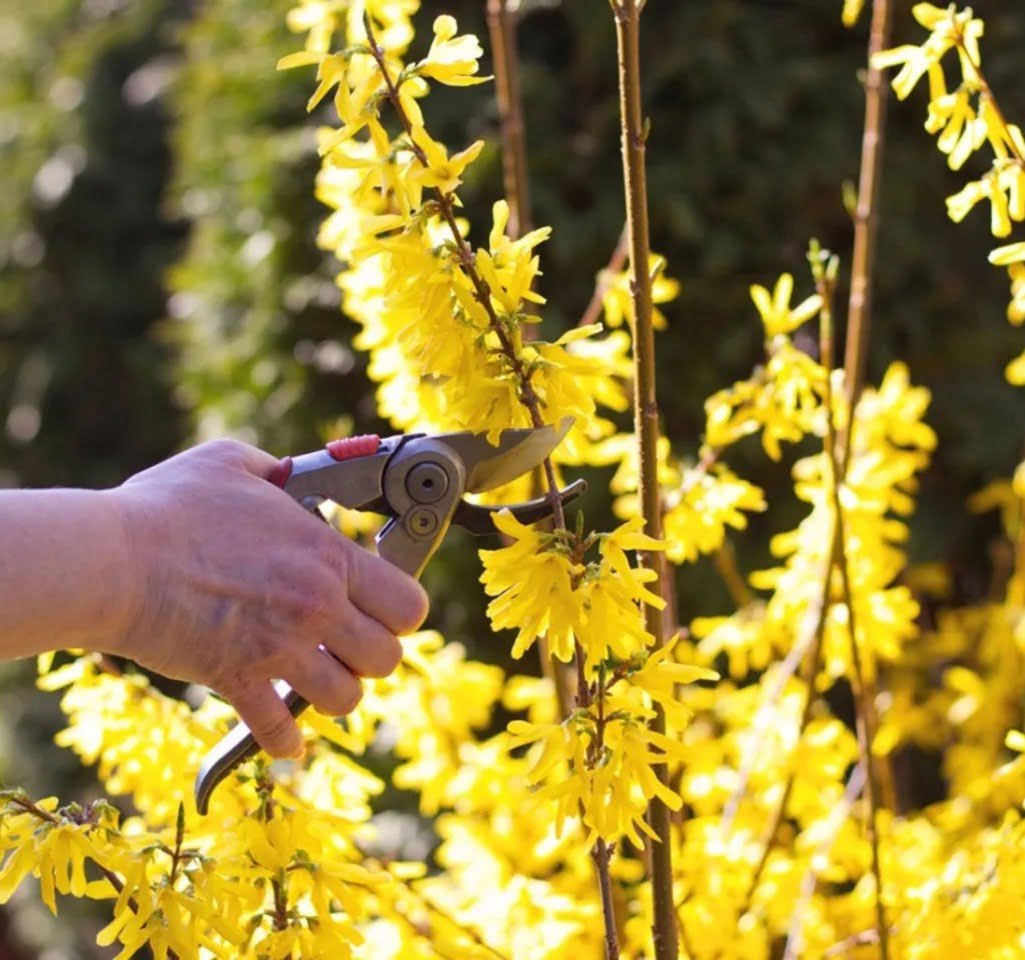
x: 617, y: 300
x: 661, y: 676
x: 532, y: 582
x: 452, y: 60
x: 777, y: 315
x: 1006, y: 255
x: 851, y: 12
x: 1015, y: 371
x: 701, y: 507
x: 950, y: 29
x: 443, y: 172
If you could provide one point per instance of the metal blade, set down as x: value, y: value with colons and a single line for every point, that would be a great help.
x: 480, y: 520
x: 516, y: 453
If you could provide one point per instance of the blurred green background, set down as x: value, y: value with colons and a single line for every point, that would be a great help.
x: 159, y: 280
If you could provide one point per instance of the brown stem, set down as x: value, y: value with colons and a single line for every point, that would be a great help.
x: 502, y: 28
x: 422, y: 930
x: 986, y: 90
x: 616, y: 263
x: 528, y: 396
x: 463, y: 929
x: 112, y: 878
x: 725, y: 561
x: 845, y: 947
x: 865, y: 710
x: 602, y: 854
x: 502, y: 19
x: 866, y: 216
x: 446, y: 207
x: 814, y: 663
x: 627, y: 17
x: 815, y: 616
x: 280, y: 903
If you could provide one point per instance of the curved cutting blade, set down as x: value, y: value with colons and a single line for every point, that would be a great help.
x: 516, y: 453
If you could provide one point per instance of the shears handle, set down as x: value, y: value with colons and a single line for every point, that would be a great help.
x: 416, y: 472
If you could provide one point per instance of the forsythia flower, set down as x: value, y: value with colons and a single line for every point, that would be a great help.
x: 1015, y: 371
x: 532, y: 582
x: 782, y: 399
x: 700, y: 509
x: 610, y: 779
x: 617, y: 299
x: 950, y: 30
x: 851, y: 12
x: 777, y: 315
x: 541, y: 590
x: 451, y: 60
x: 442, y: 171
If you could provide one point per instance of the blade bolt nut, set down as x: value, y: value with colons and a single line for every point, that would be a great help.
x: 421, y: 522
x: 427, y: 482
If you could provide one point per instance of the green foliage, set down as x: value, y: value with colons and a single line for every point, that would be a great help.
x: 83, y: 243
x: 262, y: 350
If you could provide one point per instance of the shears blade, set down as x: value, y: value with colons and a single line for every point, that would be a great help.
x: 516, y: 453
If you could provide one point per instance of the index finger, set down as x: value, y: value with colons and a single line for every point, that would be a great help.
x: 386, y: 593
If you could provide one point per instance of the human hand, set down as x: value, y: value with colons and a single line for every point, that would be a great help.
x: 239, y: 585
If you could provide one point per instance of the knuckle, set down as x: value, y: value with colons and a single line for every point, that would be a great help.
x: 331, y: 556
x: 413, y: 609
x: 387, y: 656
x: 312, y: 602
x: 224, y: 448
x: 340, y: 697
x: 350, y: 696
x: 275, y: 734
x: 264, y: 650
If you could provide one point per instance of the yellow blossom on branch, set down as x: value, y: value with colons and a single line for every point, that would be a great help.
x: 778, y: 317
x: 532, y: 582
x: 617, y: 300
x: 452, y: 60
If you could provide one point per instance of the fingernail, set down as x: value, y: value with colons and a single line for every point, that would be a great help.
x: 279, y: 475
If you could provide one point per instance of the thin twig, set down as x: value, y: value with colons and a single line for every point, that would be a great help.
x: 813, y: 665
x: 446, y: 207
x: 528, y: 396
x: 725, y: 560
x: 627, y: 17
x: 604, y: 279
x: 112, y: 878
x: 815, y: 619
x: 837, y: 816
x: 761, y: 727
x: 502, y: 19
x: 866, y: 216
x: 844, y: 947
x: 471, y: 935
x: 985, y: 90
x: 424, y: 932
x: 602, y: 854
x: 865, y: 710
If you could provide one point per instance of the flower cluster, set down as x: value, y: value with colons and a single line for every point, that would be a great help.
x: 965, y: 120
x: 762, y: 772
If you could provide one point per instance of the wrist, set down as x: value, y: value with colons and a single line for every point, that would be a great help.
x: 67, y: 577
x: 125, y: 586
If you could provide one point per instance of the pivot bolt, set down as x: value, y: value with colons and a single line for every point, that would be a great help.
x: 421, y: 522
x: 427, y: 482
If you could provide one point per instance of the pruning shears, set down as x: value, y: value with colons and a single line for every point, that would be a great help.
x: 418, y: 482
